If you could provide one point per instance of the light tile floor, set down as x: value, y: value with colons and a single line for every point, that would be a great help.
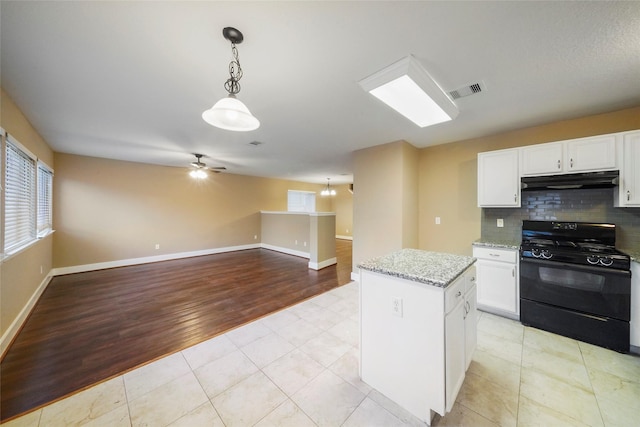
x: 299, y: 367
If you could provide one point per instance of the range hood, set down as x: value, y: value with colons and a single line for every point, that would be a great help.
x: 607, y: 179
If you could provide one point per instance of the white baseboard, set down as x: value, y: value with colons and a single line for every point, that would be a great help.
x: 285, y: 250
x: 17, y: 323
x: 322, y: 264
x: 344, y: 237
x: 146, y: 260
x: 355, y: 277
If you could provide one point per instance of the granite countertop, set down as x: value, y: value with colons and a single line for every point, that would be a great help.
x: 430, y: 268
x: 497, y: 244
x: 633, y: 253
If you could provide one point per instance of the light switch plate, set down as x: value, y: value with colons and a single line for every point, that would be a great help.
x: 500, y: 222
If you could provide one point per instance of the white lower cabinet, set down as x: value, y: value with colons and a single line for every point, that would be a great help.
x: 417, y: 356
x: 497, y: 280
x: 470, y: 323
x: 454, y: 350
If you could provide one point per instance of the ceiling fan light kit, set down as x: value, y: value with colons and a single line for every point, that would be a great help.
x: 230, y: 113
x: 198, y: 171
x: 408, y: 88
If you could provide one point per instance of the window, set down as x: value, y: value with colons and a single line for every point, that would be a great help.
x: 19, y: 197
x: 27, y: 197
x: 45, y: 184
x: 301, y: 201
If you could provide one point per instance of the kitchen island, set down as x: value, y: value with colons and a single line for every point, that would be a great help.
x: 417, y: 327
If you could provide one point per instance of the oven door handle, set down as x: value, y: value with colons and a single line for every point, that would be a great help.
x: 556, y: 264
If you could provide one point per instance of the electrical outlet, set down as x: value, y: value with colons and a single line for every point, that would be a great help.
x: 157, y: 245
x: 396, y: 306
x: 296, y: 243
x: 255, y: 237
x: 438, y: 220
x: 347, y: 231
x: 41, y: 269
x: 500, y: 222
x: 305, y: 244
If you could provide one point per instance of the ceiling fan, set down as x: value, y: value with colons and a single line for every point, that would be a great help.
x: 200, y: 168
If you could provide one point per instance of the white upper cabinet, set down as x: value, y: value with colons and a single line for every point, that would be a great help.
x: 542, y: 159
x: 498, y: 178
x: 590, y: 154
x: 629, y: 188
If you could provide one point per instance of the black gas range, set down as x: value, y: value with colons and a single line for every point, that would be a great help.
x: 574, y: 282
x: 573, y: 242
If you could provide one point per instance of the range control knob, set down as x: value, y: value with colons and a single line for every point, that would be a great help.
x: 546, y: 254
x: 605, y: 261
x: 593, y: 259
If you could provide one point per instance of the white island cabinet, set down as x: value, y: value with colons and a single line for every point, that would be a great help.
x: 418, y: 328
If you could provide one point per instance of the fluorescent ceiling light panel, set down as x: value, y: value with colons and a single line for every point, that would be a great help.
x: 406, y: 87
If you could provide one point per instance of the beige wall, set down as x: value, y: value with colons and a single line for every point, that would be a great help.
x: 20, y: 275
x: 448, y: 176
x: 108, y: 210
x: 342, y: 205
x: 284, y: 230
x: 323, y: 237
x: 384, y: 200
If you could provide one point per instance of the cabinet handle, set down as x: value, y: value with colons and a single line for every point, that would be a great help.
x: 494, y: 255
x: 513, y: 272
x: 571, y: 163
x: 473, y: 279
x: 559, y: 164
x: 458, y: 294
x: 628, y: 195
x: 515, y: 197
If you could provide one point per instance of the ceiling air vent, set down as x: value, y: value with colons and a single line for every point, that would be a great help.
x: 467, y: 90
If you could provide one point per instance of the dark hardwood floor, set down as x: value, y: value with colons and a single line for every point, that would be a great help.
x: 89, y: 327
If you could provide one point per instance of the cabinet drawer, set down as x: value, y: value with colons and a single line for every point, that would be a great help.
x: 495, y: 254
x: 454, y: 294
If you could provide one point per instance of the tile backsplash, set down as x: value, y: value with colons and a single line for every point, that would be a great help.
x: 590, y: 205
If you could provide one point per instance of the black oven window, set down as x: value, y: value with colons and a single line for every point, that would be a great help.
x: 572, y: 279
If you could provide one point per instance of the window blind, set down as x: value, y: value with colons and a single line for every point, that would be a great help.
x: 301, y: 201
x: 45, y: 187
x: 20, y: 198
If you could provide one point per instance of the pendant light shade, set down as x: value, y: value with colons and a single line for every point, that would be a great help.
x: 231, y: 114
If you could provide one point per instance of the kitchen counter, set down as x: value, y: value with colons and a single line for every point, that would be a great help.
x: 418, y: 325
x: 429, y: 268
x: 633, y: 253
x: 497, y: 244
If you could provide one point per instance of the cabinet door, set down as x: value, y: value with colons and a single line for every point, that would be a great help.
x: 630, y: 186
x: 589, y: 154
x: 497, y: 284
x: 470, y: 325
x: 542, y: 159
x: 498, y: 179
x: 455, y: 356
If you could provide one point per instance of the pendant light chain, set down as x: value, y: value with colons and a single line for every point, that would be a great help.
x: 232, y: 85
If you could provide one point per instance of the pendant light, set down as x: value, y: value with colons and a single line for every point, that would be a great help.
x: 230, y: 113
x: 328, y: 191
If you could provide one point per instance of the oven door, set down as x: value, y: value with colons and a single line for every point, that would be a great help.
x: 591, y: 290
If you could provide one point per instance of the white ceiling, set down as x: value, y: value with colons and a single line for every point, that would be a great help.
x: 129, y: 80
